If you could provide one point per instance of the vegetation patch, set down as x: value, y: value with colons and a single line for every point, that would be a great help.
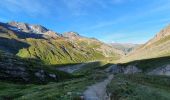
x: 139, y: 87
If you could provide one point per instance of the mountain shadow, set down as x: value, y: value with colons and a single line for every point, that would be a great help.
x: 24, y: 35
x: 149, y: 64
x: 12, y: 45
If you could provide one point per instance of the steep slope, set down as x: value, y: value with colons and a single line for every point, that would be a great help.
x: 35, y: 41
x: 94, y: 44
x: 126, y: 48
x: 159, y: 46
x: 16, y: 69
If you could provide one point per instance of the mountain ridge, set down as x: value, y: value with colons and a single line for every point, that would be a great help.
x: 158, y: 46
x: 54, y: 49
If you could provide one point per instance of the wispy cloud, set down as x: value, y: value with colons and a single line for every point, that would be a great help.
x: 30, y: 7
x: 3, y: 20
x: 79, y: 7
x: 126, y: 37
x: 153, y: 10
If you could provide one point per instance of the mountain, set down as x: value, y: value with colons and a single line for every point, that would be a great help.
x: 37, y: 42
x: 126, y: 47
x: 159, y: 46
x: 31, y: 28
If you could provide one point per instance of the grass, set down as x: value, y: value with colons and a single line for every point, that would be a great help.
x: 64, y: 90
x: 67, y: 88
x: 139, y: 87
x: 58, y: 52
x: 30, y: 66
x: 52, y: 91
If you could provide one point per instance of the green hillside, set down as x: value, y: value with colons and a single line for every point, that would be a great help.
x: 53, y: 49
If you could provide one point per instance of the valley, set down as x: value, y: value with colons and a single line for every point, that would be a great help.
x: 37, y: 63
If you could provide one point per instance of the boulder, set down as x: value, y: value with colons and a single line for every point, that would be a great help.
x: 164, y: 70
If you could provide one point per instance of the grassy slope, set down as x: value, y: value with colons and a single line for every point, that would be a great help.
x: 31, y: 66
x: 61, y: 91
x: 140, y: 87
x: 154, y: 49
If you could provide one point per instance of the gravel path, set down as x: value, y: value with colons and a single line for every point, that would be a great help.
x: 98, y: 90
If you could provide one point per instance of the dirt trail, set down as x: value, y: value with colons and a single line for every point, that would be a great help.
x: 98, y: 90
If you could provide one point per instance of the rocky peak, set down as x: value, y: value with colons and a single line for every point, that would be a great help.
x: 22, y: 26
x: 52, y: 34
x: 38, y: 28
x: 71, y: 35
x: 29, y: 27
x: 163, y: 33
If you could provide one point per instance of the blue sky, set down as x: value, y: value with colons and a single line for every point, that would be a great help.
x: 124, y: 21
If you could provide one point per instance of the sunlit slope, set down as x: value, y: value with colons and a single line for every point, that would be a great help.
x: 159, y: 46
x: 35, y: 41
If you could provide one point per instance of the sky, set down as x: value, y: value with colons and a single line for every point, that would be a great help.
x: 121, y: 21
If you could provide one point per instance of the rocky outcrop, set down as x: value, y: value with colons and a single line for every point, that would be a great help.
x: 162, y: 34
x: 130, y: 69
x: 165, y: 70
x: 16, y: 73
x: 159, y: 46
x: 71, y: 35
x: 72, y: 69
x: 21, y: 74
x: 15, y: 69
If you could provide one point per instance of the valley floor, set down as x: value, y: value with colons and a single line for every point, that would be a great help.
x: 92, y: 81
x: 65, y: 90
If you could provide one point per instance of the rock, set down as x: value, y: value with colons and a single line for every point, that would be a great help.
x: 71, y: 35
x: 115, y: 69
x: 11, y: 72
x: 130, y: 69
x: 52, y: 76
x: 165, y: 70
x: 40, y: 75
x: 72, y: 69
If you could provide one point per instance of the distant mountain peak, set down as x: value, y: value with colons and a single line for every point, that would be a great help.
x: 125, y: 47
